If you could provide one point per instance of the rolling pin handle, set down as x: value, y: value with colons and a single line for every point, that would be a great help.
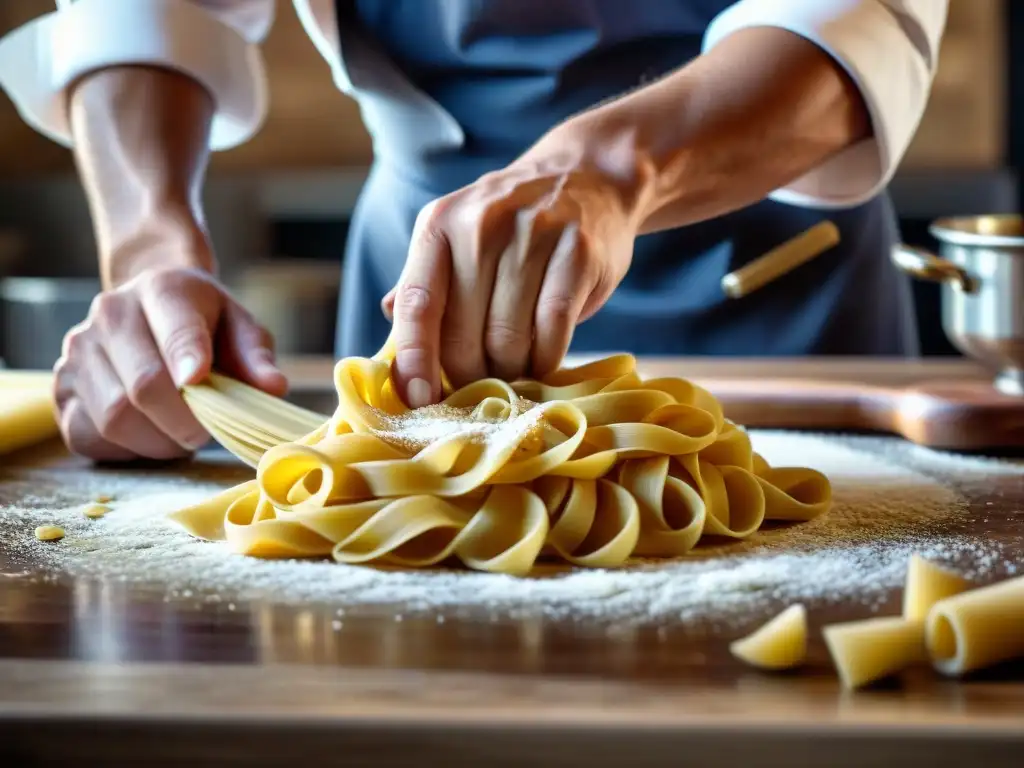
x: 924, y: 265
x: 780, y: 260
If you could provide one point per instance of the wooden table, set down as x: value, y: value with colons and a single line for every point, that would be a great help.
x: 270, y: 684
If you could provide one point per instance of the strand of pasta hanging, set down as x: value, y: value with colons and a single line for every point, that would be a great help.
x: 593, y: 466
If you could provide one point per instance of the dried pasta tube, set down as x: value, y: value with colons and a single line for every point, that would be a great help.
x: 927, y: 584
x: 978, y: 628
x: 873, y: 649
x: 781, y: 643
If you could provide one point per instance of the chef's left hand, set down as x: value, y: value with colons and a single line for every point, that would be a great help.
x: 500, y: 272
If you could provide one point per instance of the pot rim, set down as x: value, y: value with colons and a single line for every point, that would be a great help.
x: 1004, y: 230
x: 48, y: 290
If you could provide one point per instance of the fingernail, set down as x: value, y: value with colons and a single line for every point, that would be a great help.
x: 197, y: 442
x: 185, y: 369
x: 418, y: 393
x: 264, y: 362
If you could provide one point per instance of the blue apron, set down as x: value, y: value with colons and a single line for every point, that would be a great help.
x: 497, y: 74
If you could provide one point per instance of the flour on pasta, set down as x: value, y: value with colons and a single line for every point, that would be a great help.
x: 416, y: 429
x: 857, y: 552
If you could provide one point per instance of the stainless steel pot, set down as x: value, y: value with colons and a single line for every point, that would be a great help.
x: 36, y: 312
x: 981, y: 268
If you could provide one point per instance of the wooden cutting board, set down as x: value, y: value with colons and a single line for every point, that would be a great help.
x: 965, y: 415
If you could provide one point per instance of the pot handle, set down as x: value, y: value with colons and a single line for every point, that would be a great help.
x: 925, y: 265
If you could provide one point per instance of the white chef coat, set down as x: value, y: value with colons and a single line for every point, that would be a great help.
x: 889, y: 47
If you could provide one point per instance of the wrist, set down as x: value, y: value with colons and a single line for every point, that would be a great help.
x: 163, y: 240
x: 688, y: 159
x: 607, y: 148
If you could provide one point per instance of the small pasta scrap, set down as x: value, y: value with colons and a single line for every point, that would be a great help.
x: 95, y: 511
x: 592, y: 465
x: 927, y: 584
x: 977, y: 628
x: 779, y: 644
x: 49, y: 533
x: 873, y: 649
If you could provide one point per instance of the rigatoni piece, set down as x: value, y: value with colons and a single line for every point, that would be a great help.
x: 927, y: 584
x: 872, y: 649
x: 977, y: 629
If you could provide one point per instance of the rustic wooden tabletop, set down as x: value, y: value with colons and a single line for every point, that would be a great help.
x: 96, y: 671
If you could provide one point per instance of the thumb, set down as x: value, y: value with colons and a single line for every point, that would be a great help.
x: 246, y: 350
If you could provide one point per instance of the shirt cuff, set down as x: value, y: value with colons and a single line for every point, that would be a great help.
x: 867, y: 39
x: 41, y: 59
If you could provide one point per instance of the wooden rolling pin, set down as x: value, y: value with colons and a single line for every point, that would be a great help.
x: 26, y: 409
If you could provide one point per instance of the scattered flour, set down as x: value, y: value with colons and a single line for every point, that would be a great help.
x: 421, y: 427
x: 966, y: 464
x: 883, y: 512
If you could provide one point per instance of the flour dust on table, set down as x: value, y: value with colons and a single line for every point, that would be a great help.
x: 883, y: 512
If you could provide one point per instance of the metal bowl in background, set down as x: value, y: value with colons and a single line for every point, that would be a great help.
x: 297, y: 301
x: 981, y: 268
x: 36, y: 313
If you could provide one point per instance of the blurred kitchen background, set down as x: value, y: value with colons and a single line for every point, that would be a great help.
x: 279, y: 206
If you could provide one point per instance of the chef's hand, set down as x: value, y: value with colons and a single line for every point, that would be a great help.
x: 500, y: 272
x: 117, y: 380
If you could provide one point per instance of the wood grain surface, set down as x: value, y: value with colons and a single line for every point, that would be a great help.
x: 131, y: 677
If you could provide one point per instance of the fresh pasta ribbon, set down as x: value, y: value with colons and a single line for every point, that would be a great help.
x: 591, y: 465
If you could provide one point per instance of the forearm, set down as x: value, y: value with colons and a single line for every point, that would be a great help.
x: 141, y: 143
x: 754, y: 113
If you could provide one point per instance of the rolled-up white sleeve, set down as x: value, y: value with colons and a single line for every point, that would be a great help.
x: 216, y: 42
x: 890, y: 49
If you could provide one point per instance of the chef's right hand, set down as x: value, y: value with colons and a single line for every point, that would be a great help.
x: 118, y: 379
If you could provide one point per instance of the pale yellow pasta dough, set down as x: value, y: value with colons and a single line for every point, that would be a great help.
x: 49, y: 533
x: 927, y: 584
x: 592, y: 466
x: 872, y: 649
x: 26, y: 410
x: 781, y: 643
x: 95, y: 511
x: 977, y: 629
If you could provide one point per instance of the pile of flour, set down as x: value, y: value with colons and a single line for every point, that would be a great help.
x: 883, y: 513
